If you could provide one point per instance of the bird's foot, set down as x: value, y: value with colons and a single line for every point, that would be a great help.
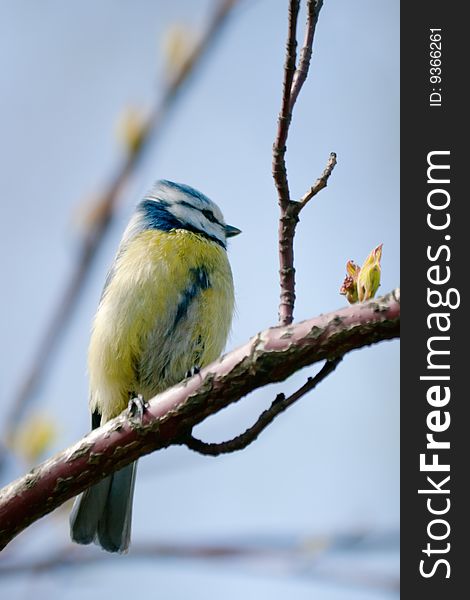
x: 136, y: 408
x: 193, y: 371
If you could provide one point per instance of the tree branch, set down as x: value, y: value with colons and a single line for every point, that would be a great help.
x: 289, y: 217
x: 312, y: 550
x: 309, y: 550
x: 285, y: 115
x: 279, y: 405
x: 107, y: 202
x: 319, y: 184
x: 270, y: 356
x: 313, y: 11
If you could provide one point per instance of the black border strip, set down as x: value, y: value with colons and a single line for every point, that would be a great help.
x: 434, y: 123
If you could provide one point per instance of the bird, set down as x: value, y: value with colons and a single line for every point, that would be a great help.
x: 165, y: 312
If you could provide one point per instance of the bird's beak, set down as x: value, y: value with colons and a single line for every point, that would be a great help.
x: 230, y: 231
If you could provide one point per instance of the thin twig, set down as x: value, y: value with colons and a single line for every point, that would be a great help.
x: 290, y: 209
x: 271, y: 356
x: 313, y: 10
x: 279, y: 169
x: 285, y: 114
x: 95, y: 235
x: 320, y: 183
x: 279, y: 405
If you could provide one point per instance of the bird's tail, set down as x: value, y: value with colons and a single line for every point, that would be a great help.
x: 103, y: 513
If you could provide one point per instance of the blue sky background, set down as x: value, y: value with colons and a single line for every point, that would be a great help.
x: 331, y: 463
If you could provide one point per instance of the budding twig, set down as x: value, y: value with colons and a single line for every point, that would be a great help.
x: 294, y: 79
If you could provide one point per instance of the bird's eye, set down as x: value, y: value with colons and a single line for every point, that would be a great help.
x: 209, y: 216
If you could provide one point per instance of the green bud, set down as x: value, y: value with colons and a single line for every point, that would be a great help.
x: 368, y: 281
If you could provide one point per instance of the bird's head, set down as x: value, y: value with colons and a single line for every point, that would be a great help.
x: 171, y: 205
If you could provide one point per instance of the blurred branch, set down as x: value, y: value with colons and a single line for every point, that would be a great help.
x: 269, y: 357
x: 73, y: 556
x: 310, y: 556
x: 294, y: 79
x: 104, y: 213
x: 280, y: 404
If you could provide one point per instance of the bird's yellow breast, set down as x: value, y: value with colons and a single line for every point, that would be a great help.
x: 167, y: 308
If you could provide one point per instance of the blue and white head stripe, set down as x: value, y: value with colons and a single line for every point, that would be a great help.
x: 170, y: 206
x: 169, y: 191
x: 155, y: 215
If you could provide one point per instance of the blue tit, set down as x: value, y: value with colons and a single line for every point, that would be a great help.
x: 166, y: 309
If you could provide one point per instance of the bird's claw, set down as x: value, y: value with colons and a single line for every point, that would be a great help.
x: 136, y: 408
x: 193, y: 371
